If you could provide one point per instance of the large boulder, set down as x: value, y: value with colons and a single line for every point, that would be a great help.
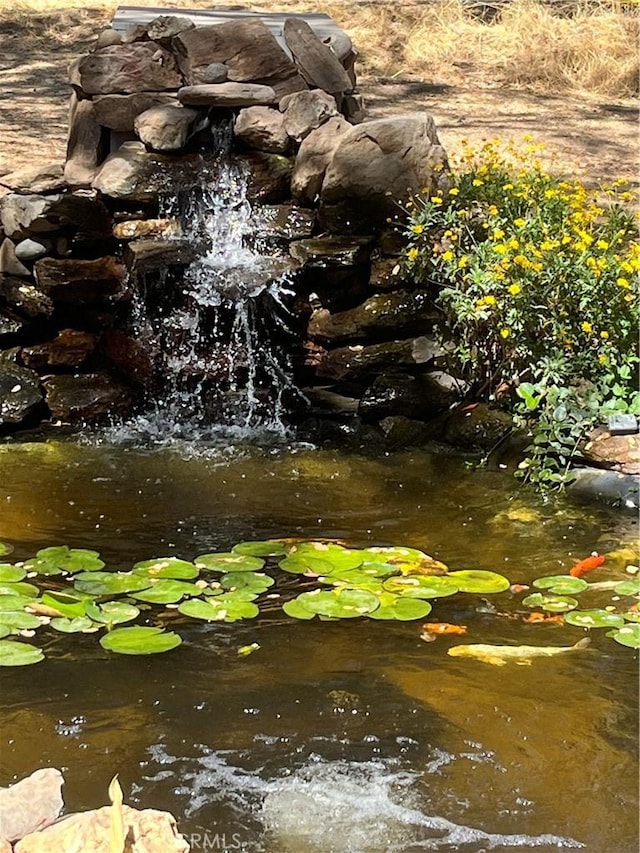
x: 79, y: 281
x: 87, y: 398
x: 35, y: 179
x: 118, y: 112
x: 30, y: 804
x: 377, y: 165
x: 305, y: 111
x: 25, y: 215
x: 317, y: 62
x: 69, y: 348
x: 227, y: 95
x: 262, y: 128
x: 358, y: 362
x: 165, y: 127
x: 313, y: 159
x: 138, y: 67
x: 84, y: 145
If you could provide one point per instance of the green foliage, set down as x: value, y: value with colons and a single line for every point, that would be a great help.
x: 395, y: 584
x: 536, y: 280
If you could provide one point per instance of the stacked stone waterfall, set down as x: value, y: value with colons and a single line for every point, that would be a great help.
x: 328, y: 186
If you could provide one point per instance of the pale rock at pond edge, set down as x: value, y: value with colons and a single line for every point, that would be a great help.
x: 227, y: 95
x: 305, y: 111
x: 262, y: 128
x: 35, y: 179
x: 31, y: 804
x: 617, y: 452
x: 165, y: 127
x: 10, y: 263
x: 125, y: 174
x: 118, y: 112
x: 127, y: 68
x: 378, y: 164
x: 313, y: 158
x: 22, y: 214
x: 148, y: 831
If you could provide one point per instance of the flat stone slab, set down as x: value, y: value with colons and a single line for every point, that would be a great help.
x: 227, y: 95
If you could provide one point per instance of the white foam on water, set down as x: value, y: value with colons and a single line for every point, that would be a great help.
x: 338, y: 807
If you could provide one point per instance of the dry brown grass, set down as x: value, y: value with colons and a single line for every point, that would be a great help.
x: 589, y: 49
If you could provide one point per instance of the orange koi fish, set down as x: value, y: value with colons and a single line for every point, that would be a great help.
x: 444, y: 628
x: 587, y: 565
x: 541, y: 617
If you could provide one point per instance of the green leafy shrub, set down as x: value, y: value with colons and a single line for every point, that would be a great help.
x: 536, y: 278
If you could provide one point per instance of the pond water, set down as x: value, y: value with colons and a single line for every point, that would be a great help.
x: 352, y: 736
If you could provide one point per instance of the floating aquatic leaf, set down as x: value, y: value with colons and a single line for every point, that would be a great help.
x: 140, y: 640
x: 561, y: 584
x: 11, y: 574
x: 422, y: 586
x: 229, y: 562
x: 400, y: 608
x: 167, y: 567
x: 73, y: 626
x: 14, y: 653
x: 166, y: 591
x: 112, y: 612
x: 594, y: 619
x: 630, y: 587
x: 297, y: 610
x: 632, y: 616
x: 479, y: 581
x: 551, y: 603
x: 18, y: 620
x: 355, y: 579
x: 407, y: 560
x: 237, y: 594
x: 111, y: 583
x: 59, y: 559
x: 243, y: 651
x: 305, y: 564
x: 66, y: 603
x: 260, y: 549
x: 338, y: 557
x: 377, y: 568
x: 254, y: 582
x: 26, y: 589
x: 4, y: 631
x: 220, y: 609
x: 13, y: 602
x: 339, y: 603
x: 629, y: 635
x: 5, y: 549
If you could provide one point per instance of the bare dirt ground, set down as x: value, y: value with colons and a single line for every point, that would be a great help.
x: 584, y: 137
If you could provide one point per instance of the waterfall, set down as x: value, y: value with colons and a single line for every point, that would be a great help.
x: 220, y: 329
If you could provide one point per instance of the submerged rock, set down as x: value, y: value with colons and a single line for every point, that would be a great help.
x: 476, y: 427
x: 417, y: 397
x: 20, y: 394
x: 87, y: 398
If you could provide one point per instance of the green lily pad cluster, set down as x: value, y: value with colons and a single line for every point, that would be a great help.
x: 559, y: 597
x: 70, y: 591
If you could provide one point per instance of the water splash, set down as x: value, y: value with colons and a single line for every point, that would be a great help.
x: 222, y: 331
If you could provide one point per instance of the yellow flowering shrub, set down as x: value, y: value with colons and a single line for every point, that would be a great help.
x: 538, y: 288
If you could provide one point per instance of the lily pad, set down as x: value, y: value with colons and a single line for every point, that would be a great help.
x: 260, y: 549
x: 551, y: 603
x: 628, y: 635
x: 4, y: 631
x: 401, y: 608
x: 632, y: 616
x: 378, y: 568
x: 422, y: 586
x: 630, y: 587
x: 407, y: 560
x: 594, y: 619
x: 111, y: 583
x: 14, y: 653
x: 166, y: 567
x: 561, y: 584
x: 220, y: 609
x: 112, y: 612
x: 166, y: 591
x: 338, y: 557
x: 339, y: 603
x: 306, y: 564
x: 297, y: 610
x: 355, y: 580
x: 26, y: 589
x: 229, y: 562
x: 68, y: 605
x: 13, y: 602
x: 5, y: 549
x: 11, y: 574
x: 59, y: 559
x: 140, y: 640
x: 73, y: 626
x: 479, y: 581
x: 254, y: 582
x: 18, y: 620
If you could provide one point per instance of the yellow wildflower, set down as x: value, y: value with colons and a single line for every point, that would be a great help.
x: 520, y: 222
x: 435, y: 199
x: 514, y: 289
x: 500, y: 249
x: 448, y: 255
x: 454, y: 191
x: 604, y: 335
x: 498, y: 233
x: 602, y: 244
x: 603, y: 359
x: 477, y: 182
x: 490, y: 300
x: 417, y: 228
x: 504, y: 333
x: 507, y: 187
x: 463, y: 262
x: 412, y: 254
x: 623, y: 282
x: 586, y: 327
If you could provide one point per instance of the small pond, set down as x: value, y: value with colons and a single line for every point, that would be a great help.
x: 353, y: 736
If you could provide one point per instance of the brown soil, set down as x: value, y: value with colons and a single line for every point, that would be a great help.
x: 584, y: 137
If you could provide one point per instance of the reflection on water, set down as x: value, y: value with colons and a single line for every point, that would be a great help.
x: 349, y: 737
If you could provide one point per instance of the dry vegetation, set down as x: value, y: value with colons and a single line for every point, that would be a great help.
x: 588, y: 47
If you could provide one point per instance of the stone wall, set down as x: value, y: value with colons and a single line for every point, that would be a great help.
x: 144, y: 108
